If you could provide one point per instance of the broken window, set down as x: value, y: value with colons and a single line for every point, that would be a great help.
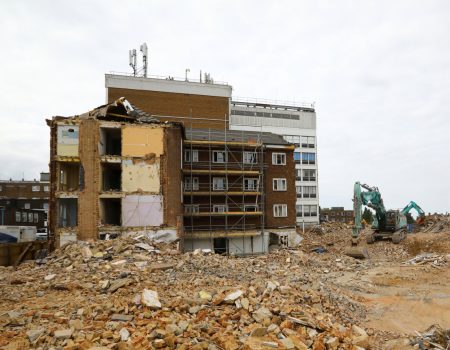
x: 36, y: 188
x: 67, y: 212
x: 111, y: 177
x: 69, y: 176
x: 111, y: 211
x: 110, y: 141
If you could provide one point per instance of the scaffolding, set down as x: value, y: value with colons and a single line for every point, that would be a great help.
x: 223, y: 188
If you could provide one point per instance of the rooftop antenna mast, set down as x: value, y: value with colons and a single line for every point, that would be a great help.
x: 132, y: 58
x: 144, y: 51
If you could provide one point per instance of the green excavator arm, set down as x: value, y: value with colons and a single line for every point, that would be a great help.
x: 415, y: 206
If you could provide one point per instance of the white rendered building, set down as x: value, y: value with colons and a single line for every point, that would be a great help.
x: 297, y: 123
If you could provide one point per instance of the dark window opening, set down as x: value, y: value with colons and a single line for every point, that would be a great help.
x: 111, y: 177
x: 67, y: 212
x: 69, y: 177
x: 110, y: 141
x: 111, y: 211
x: 220, y: 245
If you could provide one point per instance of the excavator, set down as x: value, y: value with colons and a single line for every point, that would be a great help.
x: 386, y: 224
x: 421, y: 214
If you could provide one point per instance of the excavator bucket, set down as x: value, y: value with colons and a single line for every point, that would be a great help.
x: 357, y: 253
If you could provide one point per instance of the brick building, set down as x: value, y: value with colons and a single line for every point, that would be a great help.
x: 337, y: 214
x: 25, y: 202
x: 116, y: 170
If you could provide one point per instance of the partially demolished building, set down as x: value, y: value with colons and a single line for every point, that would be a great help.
x: 116, y: 170
x: 112, y: 170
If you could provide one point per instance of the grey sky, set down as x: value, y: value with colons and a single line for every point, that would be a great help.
x: 379, y: 72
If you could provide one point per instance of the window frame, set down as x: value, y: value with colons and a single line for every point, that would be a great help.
x: 191, y: 208
x: 215, y: 158
x: 245, y: 188
x: 275, y: 158
x: 36, y: 188
x: 18, y: 216
x: 254, y: 156
x: 254, y: 206
x: 188, y: 154
x: 284, y: 211
x: 278, y: 181
x: 220, y: 208
x: 225, y: 183
x: 191, y: 183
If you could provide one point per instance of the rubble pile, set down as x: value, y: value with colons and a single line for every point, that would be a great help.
x: 129, y: 293
x: 433, y: 338
x: 428, y: 258
x: 436, y: 223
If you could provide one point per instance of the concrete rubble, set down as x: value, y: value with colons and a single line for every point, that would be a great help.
x: 131, y: 293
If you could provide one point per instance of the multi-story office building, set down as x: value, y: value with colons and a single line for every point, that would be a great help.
x: 297, y: 124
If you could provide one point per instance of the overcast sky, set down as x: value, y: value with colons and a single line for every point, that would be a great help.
x: 378, y: 71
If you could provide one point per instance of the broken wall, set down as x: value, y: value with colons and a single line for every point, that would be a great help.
x: 142, y: 141
x: 140, y: 175
x: 142, y: 210
x: 67, y: 140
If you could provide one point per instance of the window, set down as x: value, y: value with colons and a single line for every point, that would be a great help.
x: 35, y: 217
x: 1, y: 188
x: 308, y: 158
x: 309, y: 175
x: 36, y: 188
x: 280, y: 210
x: 299, y: 210
x: 295, y: 139
x: 24, y: 217
x: 220, y: 208
x: 46, y: 188
x: 18, y: 216
x: 219, y: 183
x: 309, y: 191
x: 250, y: 157
x: 298, y: 191
x: 26, y: 206
x: 191, y: 184
x: 308, y: 141
x: 191, y: 155
x: 279, y: 184
x: 298, y: 174
x: 220, y: 157
x: 279, y: 158
x: 191, y: 208
x: 45, y: 206
x: 310, y: 210
x: 250, y: 207
x: 250, y: 184
x: 297, y: 157
x: 30, y: 217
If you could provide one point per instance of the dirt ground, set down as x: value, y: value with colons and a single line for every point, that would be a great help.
x: 399, y: 298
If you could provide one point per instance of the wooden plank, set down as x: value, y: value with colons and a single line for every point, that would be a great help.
x: 19, y: 259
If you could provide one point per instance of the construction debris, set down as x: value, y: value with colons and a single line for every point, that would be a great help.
x: 429, y: 258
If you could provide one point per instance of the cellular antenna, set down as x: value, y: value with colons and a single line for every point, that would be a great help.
x: 132, y: 58
x: 144, y: 51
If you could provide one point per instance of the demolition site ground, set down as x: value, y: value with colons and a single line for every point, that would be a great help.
x: 132, y: 293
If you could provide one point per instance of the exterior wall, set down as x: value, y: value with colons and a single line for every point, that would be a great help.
x: 196, y: 104
x: 142, y: 141
x: 88, y: 205
x: 179, y: 106
x: 280, y: 197
x: 305, y: 125
x: 337, y: 214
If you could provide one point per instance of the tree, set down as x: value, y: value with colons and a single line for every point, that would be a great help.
x: 367, y: 216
